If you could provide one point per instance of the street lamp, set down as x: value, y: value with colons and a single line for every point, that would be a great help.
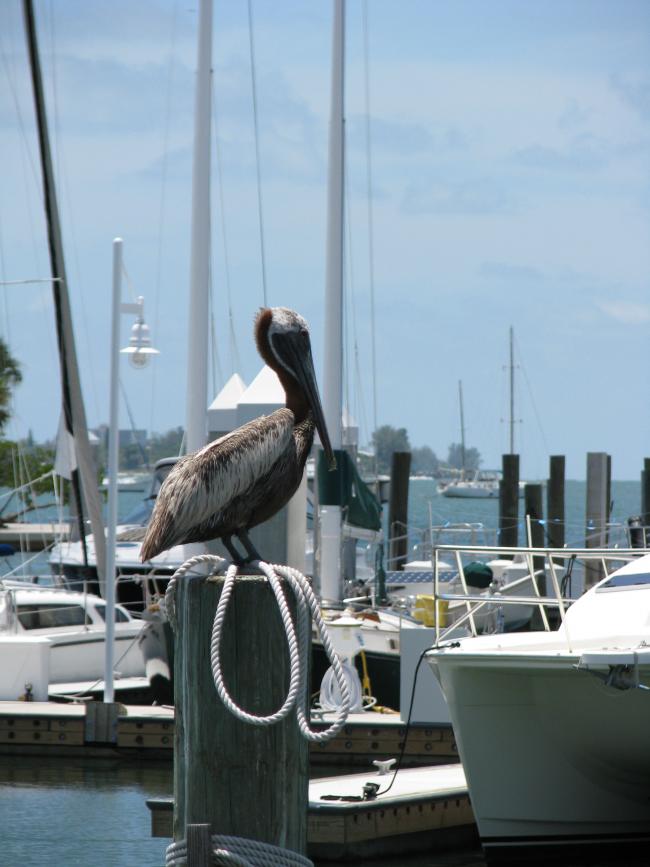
x: 139, y: 351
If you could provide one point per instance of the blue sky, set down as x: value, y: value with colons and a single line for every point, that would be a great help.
x: 511, y: 186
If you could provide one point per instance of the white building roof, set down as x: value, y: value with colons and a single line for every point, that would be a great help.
x: 222, y: 412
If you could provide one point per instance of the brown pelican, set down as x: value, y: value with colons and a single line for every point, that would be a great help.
x: 246, y: 476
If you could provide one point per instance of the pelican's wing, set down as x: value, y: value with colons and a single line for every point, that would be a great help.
x: 202, y: 484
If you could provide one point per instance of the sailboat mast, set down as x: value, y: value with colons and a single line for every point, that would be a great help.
x: 330, y: 514
x: 462, y: 428
x: 84, y: 478
x: 197, y: 367
x: 512, y: 393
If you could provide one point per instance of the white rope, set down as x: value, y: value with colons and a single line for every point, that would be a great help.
x: 297, y: 641
x: 241, y: 852
x: 330, y: 695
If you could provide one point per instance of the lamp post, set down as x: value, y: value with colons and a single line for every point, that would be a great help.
x: 139, y: 351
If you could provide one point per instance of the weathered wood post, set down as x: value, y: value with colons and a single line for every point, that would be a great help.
x: 535, y: 511
x: 555, y: 502
x: 597, y: 510
x: 243, y: 780
x: 645, y: 497
x: 398, y: 509
x: 509, y: 502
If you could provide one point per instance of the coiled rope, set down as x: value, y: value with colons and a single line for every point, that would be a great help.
x: 241, y: 852
x: 306, y: 602
x: 236, y: 850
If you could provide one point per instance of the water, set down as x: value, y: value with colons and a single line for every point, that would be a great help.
x: 626, y: 501
x: 77, y: 811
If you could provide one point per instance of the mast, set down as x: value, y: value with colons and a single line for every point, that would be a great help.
x: 330, y: 514
x: 512, y: 393
x: 84, y: 478
x: 462, y: 429
x: 197, y: 368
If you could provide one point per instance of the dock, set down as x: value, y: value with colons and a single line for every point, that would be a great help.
x: 148, y: 731
x: 426, y: 808
x: 33, y: 537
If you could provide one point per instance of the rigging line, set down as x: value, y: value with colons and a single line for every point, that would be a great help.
x: 369, y: 191
x: 21, y: 123
x: 351, y: 304
x: 63, y: 184
x: 215, y: 361
x: 26, y: 157
x: 163, y: 196
x: 348, y: 291
x: 235, y: 363
x: 143, y: 454
x: 532, y: 399
x: 257, y: 146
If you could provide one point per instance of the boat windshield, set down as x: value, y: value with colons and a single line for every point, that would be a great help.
x: 630, y: 579
x: 51, y: 616
x: 120, y: 614
x: 141, y: 513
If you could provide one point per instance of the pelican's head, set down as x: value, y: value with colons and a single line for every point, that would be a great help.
x: 282, y: 338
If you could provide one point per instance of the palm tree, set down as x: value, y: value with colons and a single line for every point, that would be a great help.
x: 10, y: 376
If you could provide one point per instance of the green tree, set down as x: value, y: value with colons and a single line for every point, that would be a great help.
x: 473, y: 458
x: 386, y: 440
x: 20, y: 462
x: 10, y: 377
x: 424, y: 461
x: 165, y: 445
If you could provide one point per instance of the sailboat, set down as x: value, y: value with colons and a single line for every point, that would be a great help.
x: 484, y: 484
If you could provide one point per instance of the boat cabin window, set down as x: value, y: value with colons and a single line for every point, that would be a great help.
x: 120, y: 614
x: 40, y: 616
x: 630, y: 579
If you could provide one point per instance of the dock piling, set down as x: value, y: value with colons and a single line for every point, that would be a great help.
x: 509, y: 502
x: 555, y: 502
x: 243, y: 780
x: 597, y: 510
x: 398, y: 509
x: 199, y: 845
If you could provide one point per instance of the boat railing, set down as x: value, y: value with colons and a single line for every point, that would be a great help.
x: 541, y: 563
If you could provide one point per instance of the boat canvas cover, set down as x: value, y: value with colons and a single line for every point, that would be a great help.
x: 344, y: 487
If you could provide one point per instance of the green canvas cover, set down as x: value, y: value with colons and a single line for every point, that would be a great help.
x: 344, y: 487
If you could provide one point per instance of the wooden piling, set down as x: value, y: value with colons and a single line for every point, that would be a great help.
x: 398, y: 509
x: 645, y: 493
x: 555, y: 516
x: 509, y: 502
x: 535, y: 511
x: 244, y: 780
x: 199, y: 846
x: 597, y: 510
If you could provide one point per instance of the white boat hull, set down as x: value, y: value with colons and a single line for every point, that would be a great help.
x: 553, y: 756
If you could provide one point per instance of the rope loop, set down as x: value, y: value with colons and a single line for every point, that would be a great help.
x: 240, y: 852
x: 297, y: 636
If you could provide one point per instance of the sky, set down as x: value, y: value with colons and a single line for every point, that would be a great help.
x: 506, y: 182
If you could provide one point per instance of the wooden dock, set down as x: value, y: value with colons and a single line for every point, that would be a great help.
x: 148, y: 731
x: 33, y: 537
x: 426, y: 808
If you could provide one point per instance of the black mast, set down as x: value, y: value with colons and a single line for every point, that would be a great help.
x: 73, y: 408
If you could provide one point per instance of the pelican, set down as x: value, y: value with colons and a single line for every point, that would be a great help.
x: 245, y: 477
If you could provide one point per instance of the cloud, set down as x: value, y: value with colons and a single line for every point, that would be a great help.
x: 574, y: 115
x: 466, y: 197
x: 583, y: 153
x: 510, y: 272
x: 627, y: 312
x: 635, y: 94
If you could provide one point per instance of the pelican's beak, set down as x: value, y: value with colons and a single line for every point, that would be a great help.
x: 297, y: 349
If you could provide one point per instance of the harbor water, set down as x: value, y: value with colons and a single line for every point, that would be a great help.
x: 78, y: 811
